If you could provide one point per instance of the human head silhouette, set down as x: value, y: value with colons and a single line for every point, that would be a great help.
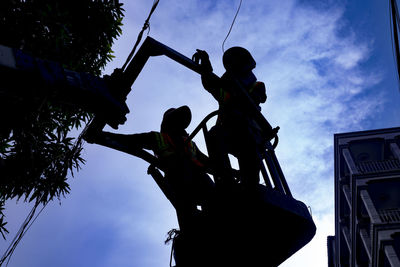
x: 238, y: 60
x: 239, y: 63
x: 176, y: 119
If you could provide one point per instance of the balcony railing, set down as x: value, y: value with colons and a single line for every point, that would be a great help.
x: 378, y: 166
x: 390, y: 215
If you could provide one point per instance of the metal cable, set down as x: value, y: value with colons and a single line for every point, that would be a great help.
x: 230, y: 29
x: 146, y: 25
x: 395, y: 21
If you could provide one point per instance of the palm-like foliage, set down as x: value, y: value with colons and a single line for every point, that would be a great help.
x: 36, y: 148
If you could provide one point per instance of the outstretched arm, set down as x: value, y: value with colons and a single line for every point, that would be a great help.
x: 128, y: 143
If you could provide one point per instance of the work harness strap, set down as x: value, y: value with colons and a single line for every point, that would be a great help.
x: 167, y: 148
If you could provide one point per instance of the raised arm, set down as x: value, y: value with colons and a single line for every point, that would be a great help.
x: 210, y: 81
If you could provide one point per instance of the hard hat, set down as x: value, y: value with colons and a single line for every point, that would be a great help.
x: 238, y: 59
x: 176, y: 119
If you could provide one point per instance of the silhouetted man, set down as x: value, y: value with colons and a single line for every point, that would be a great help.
x: 236, y: 131
x: 180, y: 159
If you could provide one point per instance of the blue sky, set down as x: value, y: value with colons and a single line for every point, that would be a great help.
x: 328, y: 68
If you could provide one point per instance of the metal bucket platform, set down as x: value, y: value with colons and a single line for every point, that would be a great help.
x: 259, y: 227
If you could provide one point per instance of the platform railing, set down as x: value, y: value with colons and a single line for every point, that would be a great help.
x: 266, y: 155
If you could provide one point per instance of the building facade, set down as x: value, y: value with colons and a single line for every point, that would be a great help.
x: 367, y: 200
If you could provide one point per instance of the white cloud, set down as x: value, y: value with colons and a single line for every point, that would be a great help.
x: 351, y: 57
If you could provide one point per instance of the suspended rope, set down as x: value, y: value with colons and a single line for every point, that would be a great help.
x: 146, y: 26
x: 21, y: 232
x: 394, y: 27
x: 26, y: 225
x: 230, y: 29
x: 172, y: 235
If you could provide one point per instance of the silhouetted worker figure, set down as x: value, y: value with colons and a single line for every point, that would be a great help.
x: 182, y: 162
x: 236, y: 131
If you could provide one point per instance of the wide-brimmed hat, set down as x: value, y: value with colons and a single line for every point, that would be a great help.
x: 176, y: 119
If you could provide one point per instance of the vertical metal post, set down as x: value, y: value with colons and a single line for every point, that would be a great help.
x: 264, y: 172
x: 273, y: 171
x: 276, y: 172
x: 281, y: 175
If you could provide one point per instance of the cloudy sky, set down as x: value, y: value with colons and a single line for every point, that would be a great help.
x: 328, y: 67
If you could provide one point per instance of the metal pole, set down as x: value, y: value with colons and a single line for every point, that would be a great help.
x: 274, y: 173
x: 280, y: 172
